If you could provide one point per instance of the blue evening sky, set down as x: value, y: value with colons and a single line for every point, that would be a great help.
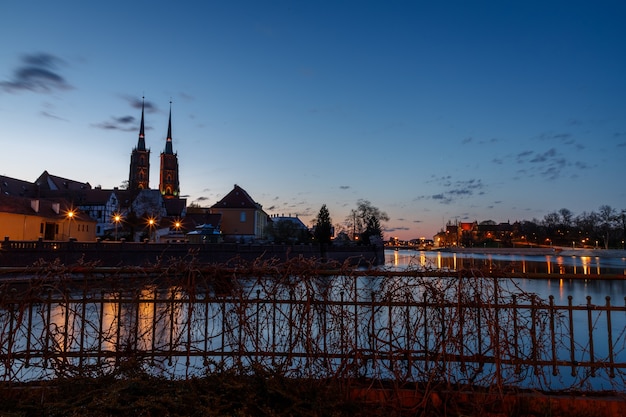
x: 432, y: 111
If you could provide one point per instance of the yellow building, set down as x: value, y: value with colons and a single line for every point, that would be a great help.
x: 243, y: 219
x: 24, y: 218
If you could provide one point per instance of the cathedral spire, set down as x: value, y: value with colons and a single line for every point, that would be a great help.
x: 168, y: 184
x: 141, y: 145
x: 168, y: 143
x: 139, y: 175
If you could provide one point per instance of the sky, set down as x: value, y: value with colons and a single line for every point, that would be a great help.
x: 434, y: 112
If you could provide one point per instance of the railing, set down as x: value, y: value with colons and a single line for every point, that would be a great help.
x: 183, y: 321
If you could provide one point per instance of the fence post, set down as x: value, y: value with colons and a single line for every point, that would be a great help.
x: 610, y: 337
x: 533, y: 334
x: 518, y: 365
x: 590, y: 329
x: 553, y: 336
x: 572, y: 346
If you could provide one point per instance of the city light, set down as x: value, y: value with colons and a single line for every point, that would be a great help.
x: 151, y: 225
x: 117, y: 218
x: 70, y: 216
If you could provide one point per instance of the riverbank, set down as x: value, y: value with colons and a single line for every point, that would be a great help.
x: 552, y: 250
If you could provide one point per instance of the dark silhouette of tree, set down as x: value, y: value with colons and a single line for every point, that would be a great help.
x: 358, y: 219
x: 372, y: 229
x: 323, y: 226
x: 608, y: 216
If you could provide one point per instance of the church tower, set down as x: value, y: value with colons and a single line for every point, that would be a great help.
x: 139, y: 177
x: 168, y: 184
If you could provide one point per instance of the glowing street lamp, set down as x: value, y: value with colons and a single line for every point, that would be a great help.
x: 70, y: 216
x: 117, y: 219
x: 151, y: 223
x: 177, y: 224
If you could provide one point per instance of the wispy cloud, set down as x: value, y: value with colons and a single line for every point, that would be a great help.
x: 123, y: 123
x: 454, y: 189
x: 128, y: 123
x: 136, y: 103
x: 550, y: 164
x: 37, y: 73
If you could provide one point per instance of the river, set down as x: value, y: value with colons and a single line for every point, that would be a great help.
x: 579, y: 288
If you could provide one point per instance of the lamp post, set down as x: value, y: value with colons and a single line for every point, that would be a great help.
x: 150, y: 225
x: 116, y: 218
x: 70, y: 216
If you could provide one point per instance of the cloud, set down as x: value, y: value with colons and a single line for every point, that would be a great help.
x: 136, y: 103
x: 344, y: 187
x: 123, y: 123
x: 51, y: 116
x: 522, y: 155
x: 457, y: 189
x: 37, y: 73
x: 550, y: 153
x: 397, y: 229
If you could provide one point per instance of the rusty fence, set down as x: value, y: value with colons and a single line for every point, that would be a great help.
x: 463, y: 328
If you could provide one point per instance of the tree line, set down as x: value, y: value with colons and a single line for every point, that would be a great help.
x: 604, y: 228
x: 362, y: 226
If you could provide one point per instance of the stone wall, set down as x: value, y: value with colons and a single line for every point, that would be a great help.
x: 25, y: 253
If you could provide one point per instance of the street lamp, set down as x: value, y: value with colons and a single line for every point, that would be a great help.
x: 151, y: 223
x: 70, y: 216
x: 117, y: 219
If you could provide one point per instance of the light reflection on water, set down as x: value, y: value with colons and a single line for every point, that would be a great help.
x: 590, y: 326
x: 558, y: 287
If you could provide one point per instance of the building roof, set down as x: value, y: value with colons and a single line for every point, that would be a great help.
x: 15, y: 187
x: 96, y: 196
x: 195, y: 219
x: 45, y: 207
x: 55, y: 183
x: 237, y: 198
x: 175, y: 207
x: 294, y: 220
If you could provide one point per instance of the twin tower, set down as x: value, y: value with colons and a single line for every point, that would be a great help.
x: 139, y: 176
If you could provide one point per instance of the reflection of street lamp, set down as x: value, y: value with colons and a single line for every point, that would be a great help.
x: 117, y: 219
x: 70, y: 215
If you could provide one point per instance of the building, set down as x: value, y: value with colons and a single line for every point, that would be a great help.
x: 135, y: 213
x: 168, y: 178
x: 139, y: 173
x: 160, y: 209
x: 242, y: 219
x: 24, y: 218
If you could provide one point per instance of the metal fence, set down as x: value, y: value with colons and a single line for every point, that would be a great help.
x: 466, y: 329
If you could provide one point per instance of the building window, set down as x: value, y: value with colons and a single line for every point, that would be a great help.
x: 242, y: 217
x: 41, y: 228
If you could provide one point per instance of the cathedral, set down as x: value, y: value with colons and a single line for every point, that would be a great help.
x: 139, y: 175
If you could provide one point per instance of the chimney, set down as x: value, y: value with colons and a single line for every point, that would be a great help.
x: 55, y: 207
x: 34, y: 204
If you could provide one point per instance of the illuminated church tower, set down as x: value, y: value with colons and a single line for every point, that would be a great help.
x: 139, y: 176
x: 168, y: 184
